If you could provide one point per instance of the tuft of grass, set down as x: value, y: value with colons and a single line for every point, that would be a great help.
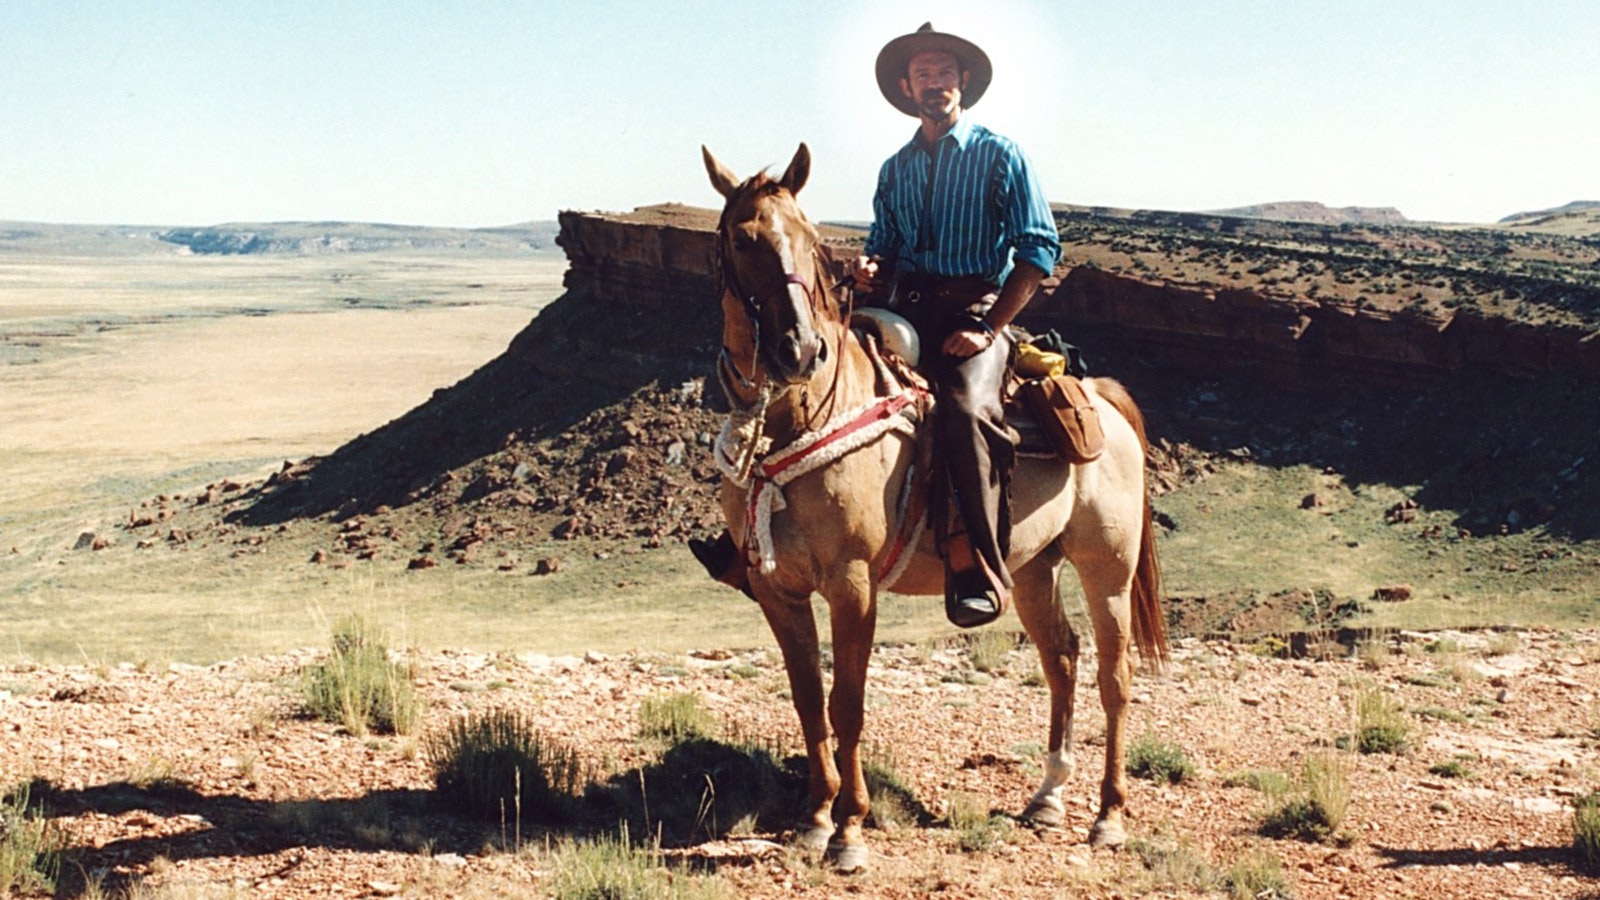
x: 1382, y: 726
x: 976, y: 828
x: 1373, y: 653
x: 498, y: 766
x: 987, y: 648
x: 1451, y: 768
x: 1257, y: 875
x: 1269, y: 782
x: 893, y: 803
x: 1440, y: 713
x: 1158, y: 761
x: 608, y: 868
x: 1502, y: 643
x: 703, y: 789
x: 674, y: 717
x: 1170, y: 861
x: 1586, y: 831
x: 29, y: 847
x: 1316, y: 808
x: 359, y: 687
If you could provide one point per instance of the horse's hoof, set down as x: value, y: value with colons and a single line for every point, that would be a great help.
x: 1107, y: 833
x: 1043, y: 815
x: 848, y: 858
x: 814, y: 839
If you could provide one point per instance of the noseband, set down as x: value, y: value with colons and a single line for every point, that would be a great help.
x: 752, y: 308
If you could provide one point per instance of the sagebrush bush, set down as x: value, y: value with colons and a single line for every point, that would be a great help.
x: 1158, y: 761
x: 498, y: 766
x: 1317, y: 806
x: 1586, y: 831
x: 703, y: 789
x: 1382, y: 726
x: 608, y: 868
x: 987, y: 648
x: 976, y: 828
x: 359, y: 687
x: 29, y: 847
x: 893, y: 803
x: 674, y: 717
x: 1171, y: 861
x: 1257, y: 875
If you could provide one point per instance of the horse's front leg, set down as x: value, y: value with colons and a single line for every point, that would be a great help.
x: 853, y: 609
x: 794, y: 626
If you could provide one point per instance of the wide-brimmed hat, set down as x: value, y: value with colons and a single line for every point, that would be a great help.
x: 896, y: 55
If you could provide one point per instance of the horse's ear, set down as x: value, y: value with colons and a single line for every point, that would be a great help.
x: 794, y: 177
x: 721, y: 177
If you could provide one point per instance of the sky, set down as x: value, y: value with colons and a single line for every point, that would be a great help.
x: 476, y: 113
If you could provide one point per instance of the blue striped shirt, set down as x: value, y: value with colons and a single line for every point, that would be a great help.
x: 970, y: 207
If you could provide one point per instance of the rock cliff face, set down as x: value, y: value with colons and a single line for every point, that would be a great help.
x: 663, y: 256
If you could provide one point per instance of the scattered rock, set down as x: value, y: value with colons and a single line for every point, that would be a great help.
x: 1393, y: 593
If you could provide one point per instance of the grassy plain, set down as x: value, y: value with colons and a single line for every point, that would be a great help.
x: 128, y: 377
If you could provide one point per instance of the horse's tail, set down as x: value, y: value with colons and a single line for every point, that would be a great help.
x: 1149, y: 621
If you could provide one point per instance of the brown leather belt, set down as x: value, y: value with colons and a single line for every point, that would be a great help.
x: 943, y: 291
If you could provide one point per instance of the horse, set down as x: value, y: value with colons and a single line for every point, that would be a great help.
x: 798, y: 376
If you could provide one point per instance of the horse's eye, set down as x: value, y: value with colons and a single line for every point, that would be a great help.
x: 743, y: 241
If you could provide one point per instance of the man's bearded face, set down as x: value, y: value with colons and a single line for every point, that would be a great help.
x: 934, y: 79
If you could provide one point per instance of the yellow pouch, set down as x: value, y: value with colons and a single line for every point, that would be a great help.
x: 1035, y: 363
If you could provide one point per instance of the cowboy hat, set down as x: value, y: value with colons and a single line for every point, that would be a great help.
x: 895, y: 57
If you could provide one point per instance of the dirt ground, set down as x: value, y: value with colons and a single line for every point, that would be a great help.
x: 206, y: 781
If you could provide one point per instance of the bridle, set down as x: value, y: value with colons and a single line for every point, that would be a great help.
x: 728, y: 370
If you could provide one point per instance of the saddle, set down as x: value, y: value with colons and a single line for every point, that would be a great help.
x: 1045, y: 403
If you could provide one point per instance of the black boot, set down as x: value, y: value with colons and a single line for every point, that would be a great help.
x: 723, y: 561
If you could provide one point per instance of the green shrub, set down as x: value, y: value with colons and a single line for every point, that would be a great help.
x: 704, y: 789
x: 1451, y: 768
x: 1317, y: 806
x: 1586, y: 831
x: 1171, y: 861
x: 497, y: 766
x: 976, y: 828
x: 987, y: 648
x: 359, y: 687
x: 1257, y: 875
x: 1271, y: 783
x: 607, y: 868
x: 29, y: 847
x: 1382, y: 726
x: 1158, y: 761
x: 674, y: 717
x: 893, y: 803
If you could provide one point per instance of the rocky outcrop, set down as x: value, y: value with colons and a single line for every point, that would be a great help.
x: 1297, y: 342
x: 315, y: 238
x: 1312, y: 211
x: 663, y: 255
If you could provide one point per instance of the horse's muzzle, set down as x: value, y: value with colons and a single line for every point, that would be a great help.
x: 794, y: 359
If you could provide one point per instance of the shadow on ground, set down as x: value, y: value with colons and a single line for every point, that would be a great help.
x: 698, y: 790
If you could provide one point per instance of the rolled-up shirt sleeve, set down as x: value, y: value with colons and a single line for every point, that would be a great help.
x: 1029, y: 224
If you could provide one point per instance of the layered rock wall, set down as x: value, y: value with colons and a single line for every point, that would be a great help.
x: 664, y: 256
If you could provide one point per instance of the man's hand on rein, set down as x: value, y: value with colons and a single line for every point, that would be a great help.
x: 865, y: 273
x: 966, y: 342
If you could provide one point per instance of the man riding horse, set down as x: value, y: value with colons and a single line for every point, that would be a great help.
x: 961, y: 237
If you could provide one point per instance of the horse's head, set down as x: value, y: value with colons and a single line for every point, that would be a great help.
x: 773, y: 295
